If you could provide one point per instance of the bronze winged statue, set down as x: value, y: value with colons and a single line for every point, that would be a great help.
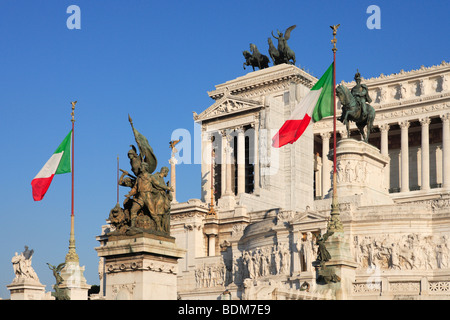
x: 283, y: 54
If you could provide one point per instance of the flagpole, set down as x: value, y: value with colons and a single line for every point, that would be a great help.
x: 117, y: 178
x: 334, y: 224
x: 72, y: 255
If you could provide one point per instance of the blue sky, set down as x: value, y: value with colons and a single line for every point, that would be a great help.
x: 154, y: 60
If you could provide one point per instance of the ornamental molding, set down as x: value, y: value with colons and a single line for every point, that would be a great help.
x: 403, y: 75
x: 271, y: 79
x: 143, y: 265
x: 227, y: 105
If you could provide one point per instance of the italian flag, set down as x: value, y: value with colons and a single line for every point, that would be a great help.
x: 318, y: 103
x: 58, y: 163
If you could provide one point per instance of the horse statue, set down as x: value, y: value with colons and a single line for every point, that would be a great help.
x: 351, y: 111
x: 274, y: 53
x: 255, y: 59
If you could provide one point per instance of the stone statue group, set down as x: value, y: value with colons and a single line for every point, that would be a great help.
x: 147, y: 205
x: 280, y: 54
x: 22, y: 266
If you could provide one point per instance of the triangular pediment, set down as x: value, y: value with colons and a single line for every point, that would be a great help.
x: 227, y: 105
x: 307, y: 217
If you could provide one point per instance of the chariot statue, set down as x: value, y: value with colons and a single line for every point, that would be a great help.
x: 282, y: 54
x: 255, y: 58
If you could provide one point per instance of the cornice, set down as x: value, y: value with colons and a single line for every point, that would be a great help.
x: 401, y: 76
x: 263, y: 78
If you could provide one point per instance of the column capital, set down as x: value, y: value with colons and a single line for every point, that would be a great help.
x: 445, y: 117
x: 173, y: 161
x: 325, y: 135
x: 239, y: 130
x: 404, y: 124
x: 384, y: 127
x: 425, y: 121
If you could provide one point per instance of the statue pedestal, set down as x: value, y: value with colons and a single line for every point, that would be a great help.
x: 74, y: 283
x: 342, y: 263
x: 141, y: 267
x: 361, y: 173
x: 27, y: 289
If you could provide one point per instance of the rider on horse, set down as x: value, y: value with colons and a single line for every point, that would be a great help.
x: 361, y: 94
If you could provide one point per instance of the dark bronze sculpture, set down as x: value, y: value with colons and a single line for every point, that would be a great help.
x: 325, y: 274
x: 59, y: 294
x: 282, y: 54
x: 255, y: 58
x: 356, y: 107
x: 147, y: 205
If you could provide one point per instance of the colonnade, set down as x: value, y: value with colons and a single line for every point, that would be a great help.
x: 404, y: 173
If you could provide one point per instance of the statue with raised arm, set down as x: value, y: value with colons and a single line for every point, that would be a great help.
x: 283, y: 54
x: 147, y: 205
x: 22, y: 266
x: 59, y: 294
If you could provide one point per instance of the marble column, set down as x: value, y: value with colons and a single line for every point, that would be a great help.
x: 326, y: 167
x: 404, y: 125
x: 211, y: 245
x: 241, y: 160
x: 173, y: 182
x: 425, y: 154
x: 384, y: 146
x: 256, y: 155
x: 228, y: 162
x: 223, y: 162
x: 445, y: 150
x: 206, y: 165
x: 384, y: 129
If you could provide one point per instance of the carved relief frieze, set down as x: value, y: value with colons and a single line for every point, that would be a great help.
x: 402, y: 252
x: 129, y: 266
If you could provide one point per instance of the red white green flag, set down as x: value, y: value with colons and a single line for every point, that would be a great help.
x: 58, y: 163
x: 317, y: 104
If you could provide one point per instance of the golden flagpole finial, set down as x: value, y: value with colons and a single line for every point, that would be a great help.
x: 73, y: 110
x: 334, y: 40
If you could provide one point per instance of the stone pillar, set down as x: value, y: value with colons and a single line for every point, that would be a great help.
x: 206, y: 165
x: 27, y: 289
x: 211, y: 229
x: 141, y: 267
x: 173, y: 181
x: 256, y: 154
x: 223, y: 160
x: 445, y: 150
x: 228, y: 161
x: 241, y: 160
x: 384, y: 129
x: 326, y: 168
x: 404, y: 125
x: 425, y: 154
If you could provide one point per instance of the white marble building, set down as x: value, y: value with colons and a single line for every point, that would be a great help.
x: 253, y: 231
x: 270, y: 203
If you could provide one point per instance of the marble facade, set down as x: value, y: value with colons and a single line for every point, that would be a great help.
x: 271, y: 204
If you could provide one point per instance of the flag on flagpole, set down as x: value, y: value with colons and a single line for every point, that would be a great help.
x: 58, y: 163
x: 316, y: 105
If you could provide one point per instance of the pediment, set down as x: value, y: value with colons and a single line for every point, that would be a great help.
x: 227, y: 105
x: 307, y: 217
